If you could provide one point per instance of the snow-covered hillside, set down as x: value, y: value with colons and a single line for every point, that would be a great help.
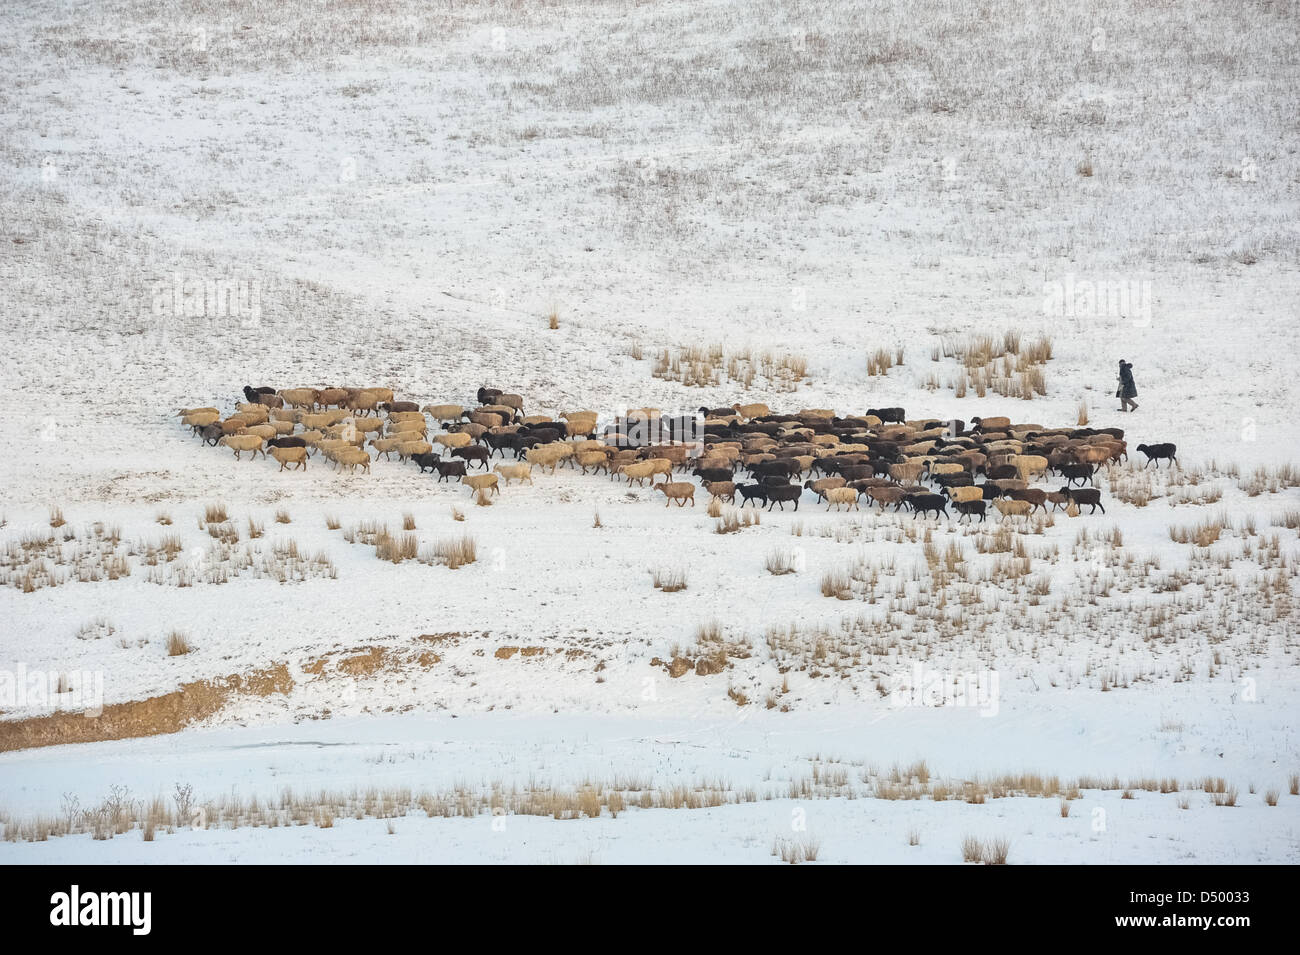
x: 403, y: 195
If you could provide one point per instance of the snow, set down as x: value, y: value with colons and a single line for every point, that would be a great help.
x: 410, y: 196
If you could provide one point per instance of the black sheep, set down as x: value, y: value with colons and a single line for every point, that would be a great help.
x: 286, y: 443
x: 783, y: 468
x: 713, y: 474
x: 251, y: 394
x: 751, y: 492
x: 487, y: 396
x: 448, y: 469
x: 858, y: 472
x: 1076, y: 472
x: 1157, y: 452
x: 472, y: 453
x: 924, y: 503
x: 1085, y: 495
x: 780, y: 493
x: 968, y: 508
x: 498, y: 442
x: 428, y: 460
x: 888, y: 414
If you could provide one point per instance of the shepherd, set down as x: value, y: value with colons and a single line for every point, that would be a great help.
x: 1127, y: 390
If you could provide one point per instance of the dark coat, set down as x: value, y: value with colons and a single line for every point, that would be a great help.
x: 1127, y: 389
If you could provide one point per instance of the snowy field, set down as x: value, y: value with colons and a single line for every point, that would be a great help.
x: 712, y: 203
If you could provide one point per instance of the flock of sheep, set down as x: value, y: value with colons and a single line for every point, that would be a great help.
x: 923, y: 465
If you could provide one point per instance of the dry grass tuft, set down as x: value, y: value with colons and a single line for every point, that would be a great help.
x: 780, y: 562
x: 996, y: 851
x: 282, y: 516
x: 1228, y: 798
x: 178, y: 644
x: 795, y: 851
x: 215, y: 514
x: 734, y: 519
x: 56, y: 517
x: 332, y: 522
x: 396, y: 548
x: 408, y: 521
x: 452, y: 552
x: 669, y: 581
x: 1201, y: 534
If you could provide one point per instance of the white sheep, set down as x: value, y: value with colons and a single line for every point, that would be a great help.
x: 515, y: 472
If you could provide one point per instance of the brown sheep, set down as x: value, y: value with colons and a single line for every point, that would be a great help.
x: 596, y: 460
x: 749, y: 412
x: 946, y: 467
x: 1029, y: 465
x: 722, y: 490
x: 1035, y: 497
x: 906, y: 473
x: 964, y: 494
x: 487, y: 419
x: 887, y: 495
x: 301, y: 397
x: 1011, y: 508
x: 443, y: 413
x: 256, y: 413
x: 825, y: 484
x: 294, y: 456
x: 364, y: 401
x: 580, y: 422
x: 409, y: 449
x: 481, y: 482
x: 351, y: 458
x: 679, y: 491
x: 243, y: 442
x: 326, y: 397
x: 647, y: 469
x: 384, y: 446
x: 453, y: 440
x: 383, y: 394
x: 1058, y: 499
x: 990, y: 424
x: 264, y: 431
